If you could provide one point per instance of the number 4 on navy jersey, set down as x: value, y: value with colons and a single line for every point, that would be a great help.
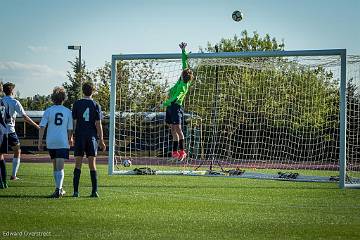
x: 86, y: 115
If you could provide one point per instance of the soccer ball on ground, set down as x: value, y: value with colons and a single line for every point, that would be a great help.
x: 237, y: 16
x: 127, y: 163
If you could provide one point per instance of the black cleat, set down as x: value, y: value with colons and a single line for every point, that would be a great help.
x: 3, y: 185
x: 56, y: 194
x: 75, y: 194
x: 94, y: 195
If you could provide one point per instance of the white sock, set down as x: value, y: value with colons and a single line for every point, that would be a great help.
x: 56, y: 179
x: 61, y: 178
x: 15, y: 166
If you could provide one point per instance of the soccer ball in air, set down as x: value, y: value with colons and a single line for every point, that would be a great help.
x: 237, y: 16
x: 126, y: 163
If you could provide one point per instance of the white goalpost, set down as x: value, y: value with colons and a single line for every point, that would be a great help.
x: 287, y: 115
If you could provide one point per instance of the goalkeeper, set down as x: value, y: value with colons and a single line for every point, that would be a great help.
x: 174, y: 109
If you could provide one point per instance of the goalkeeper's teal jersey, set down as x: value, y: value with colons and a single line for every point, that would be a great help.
x: 178, y: 92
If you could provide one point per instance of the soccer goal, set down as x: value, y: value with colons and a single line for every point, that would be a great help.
x: 288, y: 115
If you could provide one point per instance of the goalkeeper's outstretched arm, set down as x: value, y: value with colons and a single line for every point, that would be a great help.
x: 184, y: 55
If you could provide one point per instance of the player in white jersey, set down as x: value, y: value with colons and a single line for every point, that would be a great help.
x: 14, y: 108
x: 59, y: 122
x: 4, y: 116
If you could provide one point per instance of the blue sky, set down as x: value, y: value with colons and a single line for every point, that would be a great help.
x: 35, y: 33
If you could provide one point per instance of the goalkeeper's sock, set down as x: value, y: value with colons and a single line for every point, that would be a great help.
x: 94, y: 183
x: 76, y: 179
x: 3, y: 171
x: 181, y: 144
x: 175, y: 145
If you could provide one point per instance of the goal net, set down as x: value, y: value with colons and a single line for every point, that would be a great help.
x: 275, y: 115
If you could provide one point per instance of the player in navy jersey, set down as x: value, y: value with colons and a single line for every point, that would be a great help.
x: 88, y: 136
x: 59, y: 123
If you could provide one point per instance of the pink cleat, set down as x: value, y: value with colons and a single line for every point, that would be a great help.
x: 182, y: 155
x: 175, y: 154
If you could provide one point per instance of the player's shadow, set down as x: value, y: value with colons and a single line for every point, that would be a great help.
x: 24, y: 196
x: 217, y: 187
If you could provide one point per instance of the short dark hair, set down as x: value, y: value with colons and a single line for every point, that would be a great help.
x: 8, y: 88
x: 88, y: 88
x: 187, y: 75
x: 58, y: 96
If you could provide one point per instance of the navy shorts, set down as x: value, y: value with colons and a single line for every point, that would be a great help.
x: 13, y: 139
x: 85, y: 145
x: 174, y: 114
x: 59, y: 153
x: 4, y: 144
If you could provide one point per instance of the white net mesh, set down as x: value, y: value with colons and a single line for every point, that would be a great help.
x: 251, y: 113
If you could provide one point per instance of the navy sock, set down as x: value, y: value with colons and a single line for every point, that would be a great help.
x: 175, y: 145
x: 93, y: 176
x: 181, y: 144
x: 76, y: 179
x: 3, y: 170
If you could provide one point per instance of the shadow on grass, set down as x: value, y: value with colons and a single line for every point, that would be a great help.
x: 268, y: 185
x: 34, y: 185
x: 25, y: 196
x: 220, y: 187
x: 29, y: 186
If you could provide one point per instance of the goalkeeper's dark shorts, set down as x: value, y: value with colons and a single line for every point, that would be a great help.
x: 174, y: 114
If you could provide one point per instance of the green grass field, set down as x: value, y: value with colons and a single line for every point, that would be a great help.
x: 176, y: 207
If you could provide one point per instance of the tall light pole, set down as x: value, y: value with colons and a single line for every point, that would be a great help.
x: 72, y: 47
x: 77, y: 48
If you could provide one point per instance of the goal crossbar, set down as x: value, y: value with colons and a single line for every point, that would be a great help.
x: 295, y: 53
